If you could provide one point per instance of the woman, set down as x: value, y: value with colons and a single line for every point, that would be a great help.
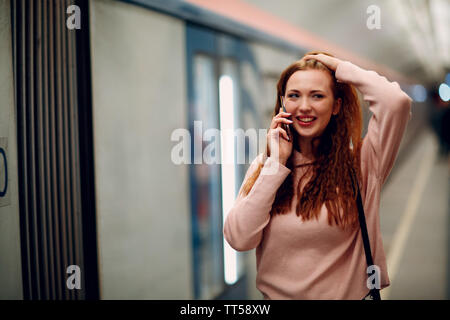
x: 302, y: 218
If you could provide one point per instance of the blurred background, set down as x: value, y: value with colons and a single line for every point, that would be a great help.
x: 92, y: 91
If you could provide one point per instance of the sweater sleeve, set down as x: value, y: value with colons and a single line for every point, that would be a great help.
x: 249, y: 215
x: 391, y: 111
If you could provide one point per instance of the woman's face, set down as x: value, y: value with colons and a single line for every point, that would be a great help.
x: 309, y: 98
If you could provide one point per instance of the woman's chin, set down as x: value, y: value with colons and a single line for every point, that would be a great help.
x: 306, y: 134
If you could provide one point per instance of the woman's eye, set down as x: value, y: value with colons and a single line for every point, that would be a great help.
x: 292, y: 95
x: 319, y: 96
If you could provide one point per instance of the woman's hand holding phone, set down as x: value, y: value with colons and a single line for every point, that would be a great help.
x: 279, y: 144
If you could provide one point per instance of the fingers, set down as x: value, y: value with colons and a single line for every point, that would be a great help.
x: 278, y: 121
x: 280, y: 118
x: 283, y: 114
x: 282, y: 132
x: 277, y: 131
x: 330, y: 62
x: 319, y: 57
x: 311, y: 56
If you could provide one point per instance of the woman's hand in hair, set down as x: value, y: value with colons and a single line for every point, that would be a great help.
x: 330, y: 62
x: 278, y: 144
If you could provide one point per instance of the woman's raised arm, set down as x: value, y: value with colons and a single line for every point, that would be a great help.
x: 391, y: 111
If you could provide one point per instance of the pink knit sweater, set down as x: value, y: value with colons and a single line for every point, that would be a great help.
x: 299, y: 259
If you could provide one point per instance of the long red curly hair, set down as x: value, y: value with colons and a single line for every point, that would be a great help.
x: 337, y: 158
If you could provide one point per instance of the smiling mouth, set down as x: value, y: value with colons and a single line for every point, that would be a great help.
x: 306, y: 120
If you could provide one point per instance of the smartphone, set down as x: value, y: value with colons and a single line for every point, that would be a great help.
x: 286, y: 127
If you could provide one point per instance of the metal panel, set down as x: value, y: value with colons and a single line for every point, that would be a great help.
x: 48, y: 68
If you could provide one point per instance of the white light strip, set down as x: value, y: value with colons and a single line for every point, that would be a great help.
x: 226, y: 100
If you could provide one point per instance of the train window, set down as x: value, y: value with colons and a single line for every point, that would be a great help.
x: 214, y: 63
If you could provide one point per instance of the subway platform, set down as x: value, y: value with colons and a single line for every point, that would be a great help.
x: 415, y: 221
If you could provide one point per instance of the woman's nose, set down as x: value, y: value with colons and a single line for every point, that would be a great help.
x: 304, y: 105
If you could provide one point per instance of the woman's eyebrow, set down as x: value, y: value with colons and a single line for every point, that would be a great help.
x: 312, y: 91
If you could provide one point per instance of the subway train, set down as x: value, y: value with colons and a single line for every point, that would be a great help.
x: 93, y: 205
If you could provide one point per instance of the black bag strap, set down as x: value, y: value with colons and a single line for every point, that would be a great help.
x: 362, y: 222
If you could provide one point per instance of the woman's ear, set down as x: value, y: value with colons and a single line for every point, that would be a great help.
x: 337, y: 106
